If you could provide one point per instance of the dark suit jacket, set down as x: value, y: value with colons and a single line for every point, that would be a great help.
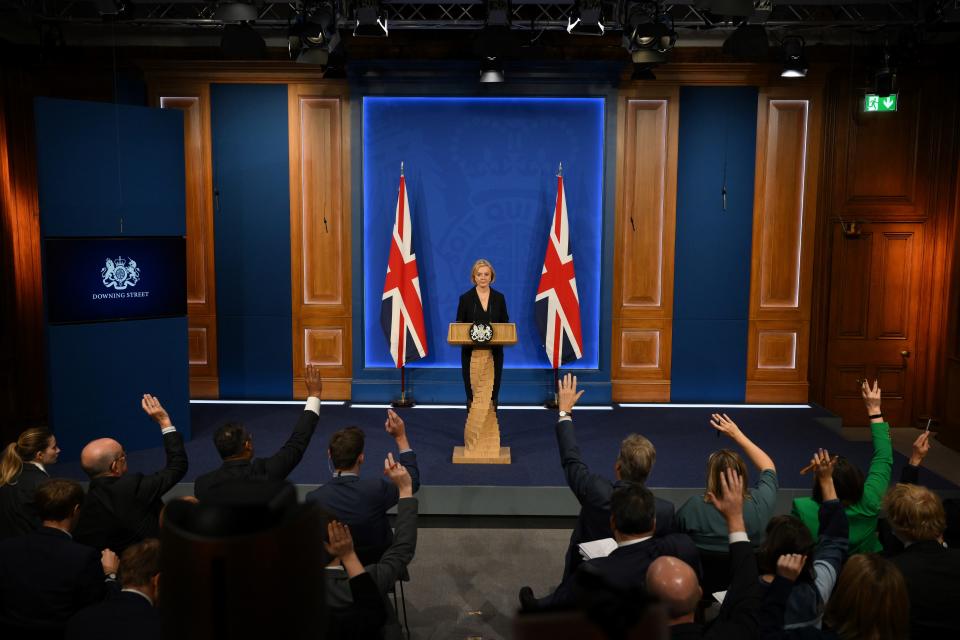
x: 362, y: 504
x: 932, y: 572
x: 124, y: 616
x: 17, y: 512
x: 45, y: 577
x: 593, y: 491
x: 119, y: 512
x: 276, y: 467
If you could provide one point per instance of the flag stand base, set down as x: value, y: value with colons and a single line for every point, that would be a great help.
x: 405, y: 401
x: 461, y: 456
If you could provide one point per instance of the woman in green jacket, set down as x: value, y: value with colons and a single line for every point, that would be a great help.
x: 861, y: 497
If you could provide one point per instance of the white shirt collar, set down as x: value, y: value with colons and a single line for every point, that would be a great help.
x: 627, y: 543
x: 38, y: 465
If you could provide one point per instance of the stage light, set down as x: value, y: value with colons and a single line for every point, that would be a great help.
x: 588, y: 20
x: 648, y: 36
x: 794, y: 59
x: 371, y: 20
x: 491, y: 69
x: 498, y: 13
x: 235, y: 12
x: 315, y: 35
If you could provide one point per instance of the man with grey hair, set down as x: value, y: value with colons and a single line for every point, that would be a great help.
x: 123, y: 508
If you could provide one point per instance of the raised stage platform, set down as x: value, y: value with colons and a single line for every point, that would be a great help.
x: 533, y: 485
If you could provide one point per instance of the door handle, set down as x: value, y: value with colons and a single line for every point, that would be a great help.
x: 905, y: 353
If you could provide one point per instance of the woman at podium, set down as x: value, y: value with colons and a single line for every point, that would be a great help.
x: 487, y: 305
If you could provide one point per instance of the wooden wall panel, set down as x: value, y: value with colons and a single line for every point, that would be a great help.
x: 320, y: 234
x: 785, y: 199
x: 193, y: 99
x: 644, y: 247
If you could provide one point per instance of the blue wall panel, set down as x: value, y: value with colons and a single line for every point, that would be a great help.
x: 98, y: 163
x: 717, y: 148
x: 481, y: 175
x: 252, y: 240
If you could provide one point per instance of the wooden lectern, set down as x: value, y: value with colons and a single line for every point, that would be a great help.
x: 481, y: 436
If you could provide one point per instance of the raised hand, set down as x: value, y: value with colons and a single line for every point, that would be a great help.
x: 921, y: 447
x: 399, y: 476
x: 312, y: 379
x: 153, y: 408
x: 722, y: 423
x: 340, y: 542
x: 871, y: 396
x: 394, y: 424
x: 823, y: 465
x: 567, y: 394
x: 790, y: 565
x: 730, y: 503
x: 109, y: 561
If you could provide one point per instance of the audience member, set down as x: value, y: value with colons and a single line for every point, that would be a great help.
x: 46, y: 577
x: 633, y: 522
x: 391, y: 566
x: 704, y: 524
x: 931, y: 570
x: 22, y: 468
x: 235, y: 446
x: 123, y: 508
x: 130, y: 614
x: 362, y: 503
x: 860, y: 498
x: 675, y: 584
x: 633, y: 464
x: 870, y: 602
x: 787, y: 535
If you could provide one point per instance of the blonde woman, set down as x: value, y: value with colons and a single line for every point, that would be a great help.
x: 22, y: 468
x: 482, y: 303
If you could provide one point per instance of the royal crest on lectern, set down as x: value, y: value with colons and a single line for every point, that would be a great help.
x: 481, y: 333
x: 120, y: 274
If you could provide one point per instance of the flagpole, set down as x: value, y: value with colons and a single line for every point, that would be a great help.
x: 552, y: 402
x: 405, y: 401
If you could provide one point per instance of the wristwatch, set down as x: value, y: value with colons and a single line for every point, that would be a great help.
x: 566, y: 414
x: 111, y: 576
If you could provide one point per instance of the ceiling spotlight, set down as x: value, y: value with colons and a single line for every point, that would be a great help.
x: 588, y: 20
x: 498, y: 13
x: 647, y: 35
x: 315, y: 35
x: 794, y: 59
x: 235, y: 12
x: 491, y: 69
x: 371, y: 20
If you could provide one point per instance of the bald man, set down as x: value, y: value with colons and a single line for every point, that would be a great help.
x: 675, y: 584
x: 123, y: 508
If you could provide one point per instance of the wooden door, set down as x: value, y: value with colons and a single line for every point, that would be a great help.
x: 874, y: 283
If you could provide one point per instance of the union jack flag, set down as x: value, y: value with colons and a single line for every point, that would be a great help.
x: 401, y: 309
x: 557, y: 302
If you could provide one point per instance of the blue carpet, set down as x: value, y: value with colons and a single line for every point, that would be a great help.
x: 682, y: 436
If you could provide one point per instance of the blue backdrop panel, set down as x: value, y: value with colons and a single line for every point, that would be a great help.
x: 99, y: 373
x: 717, y: 149
x: 481, y: 179
x: 252, y: 240
x: 98, y: 163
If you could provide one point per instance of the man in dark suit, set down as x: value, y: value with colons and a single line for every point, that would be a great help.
x: 235, y: 446
x: 362, y: 503
x: 633, y: 522
x: 46, y: 577
x: 675, y: 583
x: 123, y: 508
x: 392, y: 565
x: 130, y: 614
x: 932, y: 571
x: 593, y: 491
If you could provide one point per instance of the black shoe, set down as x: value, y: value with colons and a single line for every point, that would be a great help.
x: 527, y: 601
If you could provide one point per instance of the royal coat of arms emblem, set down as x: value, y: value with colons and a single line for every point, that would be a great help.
x: 120, y: 274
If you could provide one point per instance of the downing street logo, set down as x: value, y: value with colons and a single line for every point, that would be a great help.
x: 120, y: 274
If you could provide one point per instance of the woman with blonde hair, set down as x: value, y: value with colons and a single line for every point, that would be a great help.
x: 482, y: 304
x: 22, y: 467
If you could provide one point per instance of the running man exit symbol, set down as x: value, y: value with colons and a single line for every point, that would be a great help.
x: 873, y: 102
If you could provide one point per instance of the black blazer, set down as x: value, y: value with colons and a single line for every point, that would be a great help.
x: 124, y: 616
x: 593, y: 491
x: 45, y: 577
x: 932, y: 572
x: 276, y: 467
x: 469, y: 308
x: 18, y: 515
x: 119, y: 512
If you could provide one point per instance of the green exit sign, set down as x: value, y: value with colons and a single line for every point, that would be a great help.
x: 873, y: 102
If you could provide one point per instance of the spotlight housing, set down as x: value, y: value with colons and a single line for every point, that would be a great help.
x: 586, y: 19
x: 491, y: 69
x: 371, y: 20
x: 794, y: 58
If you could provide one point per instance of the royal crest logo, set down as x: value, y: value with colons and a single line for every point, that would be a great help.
x: 120, y: 274
x: 481, y: 333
